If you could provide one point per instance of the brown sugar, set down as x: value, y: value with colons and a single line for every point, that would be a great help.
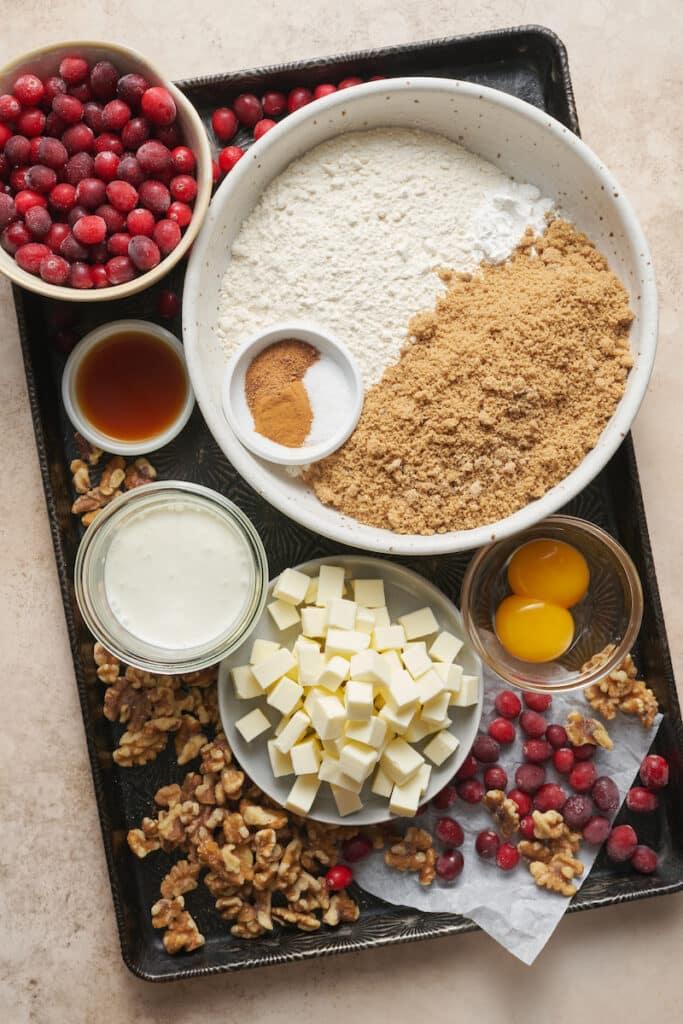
x: 275, y: 393
x: 506, y: 386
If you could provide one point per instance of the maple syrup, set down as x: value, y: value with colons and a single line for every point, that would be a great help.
x: 131, y: 386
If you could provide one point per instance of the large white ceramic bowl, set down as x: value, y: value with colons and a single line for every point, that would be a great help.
x: 525, y: 143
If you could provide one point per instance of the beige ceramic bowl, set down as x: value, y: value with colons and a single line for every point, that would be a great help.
x: 44, y: 62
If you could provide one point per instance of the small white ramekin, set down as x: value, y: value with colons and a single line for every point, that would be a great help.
x: 73, y: 410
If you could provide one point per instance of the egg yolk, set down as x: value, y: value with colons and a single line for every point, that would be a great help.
x: 549, y: 570
x: 533, y: 630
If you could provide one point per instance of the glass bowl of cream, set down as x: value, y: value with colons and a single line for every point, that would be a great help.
x: 171, y: 577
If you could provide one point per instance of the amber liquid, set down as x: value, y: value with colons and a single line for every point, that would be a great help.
x: 131, y: 386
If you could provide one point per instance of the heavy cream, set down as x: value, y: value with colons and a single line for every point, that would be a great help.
x: 179, y: 575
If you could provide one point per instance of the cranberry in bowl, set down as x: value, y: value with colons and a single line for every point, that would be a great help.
x: 89, y: 140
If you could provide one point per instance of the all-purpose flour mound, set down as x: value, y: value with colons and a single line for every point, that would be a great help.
x: 349, y: 236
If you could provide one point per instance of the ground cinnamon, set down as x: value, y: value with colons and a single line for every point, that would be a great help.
x: 276, y: 395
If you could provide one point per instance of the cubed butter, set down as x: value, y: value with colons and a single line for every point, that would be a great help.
x: 285, y: 695
x: 274, y: 667
x: 419, y: 623
x: 313, y: 622
x: 311, y: 591
x: 402, y: 692
x: 252, y: 725
x: 302, y: 794
x: 382, y: 617
x: 346, y: 801
x: 401, y: 761
x: 262, y: 649
x: 388, y: 638
x: 451, y: 675
x: 424, y: 775
x: 392, y: 659
x: 397, y: 720
x: 330, y: 584
x: 292, y: 732
x: 334, y: 673
x: 291, y: 587
x: 357, y: 760
x: 365, y: 621
x: 283, y: 615
x: 341, y: 614
x: 359, y: 699
x: 441, y: 747
x: 346, y: 641
x: 433, y: 710
x: 417, y: 730
x: 405, y: 798
x: 416, y: 660
x: 280, y: 764
x: 369, y: 593
x: 446, y: 647
x: 244, y: 682
x: 311, y: 665
x: 372, y: 731
x: 370, y: 667
x: 328, y: 716
x: 305, y: 756
x: 468, y: 693
x: 429, y: 685
x: 381, y: 783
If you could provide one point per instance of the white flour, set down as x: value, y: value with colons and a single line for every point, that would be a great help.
x: 349, y: 236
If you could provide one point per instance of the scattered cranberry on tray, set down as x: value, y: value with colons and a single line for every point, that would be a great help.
x: 486, y: 844
x: 550, y: 797
x: 654, y: 772
x: 445, y: 798
x: 495, y: 777
x: 298, y: 98
x: 508, y: 704
x: 357, y: 848
x: 526, y: 827
x: 584, y: 752
x: 529, y: 778
x: 583, y: 776
x: 523, y: 801
x: 507, y: 857
x: 467, y: 770
x: 605, y: 794
x: 537, y: 701
x: 224, y: 123
x: 449, y: 831
x: 621, y: 843
x: 274, y: 104
x: 537, y: 751
x: 449, y: 865
x: 556, y: 736
x: 578, y: 810
x: 323, y: 90
x: 338, y: 877
x: 228, y: 157
x: 532, y: 724
x: 471, y: 791
x: 641, y: 800
x: 644, y: 860
x: 502, y: 730
x: 485, y: 749
x: 596, y: 830
x: 262, y: 127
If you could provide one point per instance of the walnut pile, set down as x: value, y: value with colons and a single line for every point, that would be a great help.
x: 115, y: 477
x: 620, y: 690
x: 582, y: 730
x: 504, y: 811
x: 551, y: 855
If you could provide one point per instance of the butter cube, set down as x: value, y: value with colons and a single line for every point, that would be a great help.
x: 424, y: 774
x: 302, y: 794
x: 341, y: 614
x: 313, y: 622
x: 397, y: 720
x: 357, y: 760
x: 370, y: 667
x: 311, y: 665
x: 372, y: 731
x: 305, y: 757
x: 330, y: 584
x: 450, y: 675
x: 441, y: 747
x: 285, y: 695
x: 402, y: 692
x: 334, y: 673
x: 292, y: 732
x: 392, y: 659
x: 330, y: 771
x: 346, y: 641
x: 369, y: 593
x: 346, y: 801
x: 429, y: 686
x: 405, y: 798
x: 281, y: 764
x: 365, y: 621
x: 252, y: 725
x: 469, y: 692
x: 419, y: 623
x: 382, y: 784
x: 446, y: 647
x: 262, y: 649
x: 283, y: 615
x: 418, y: 729
x: 291, y: 587
x: 328, y: 716
x: 273, y: 668
x: 386, y: 638
x: 333, y: 747
x: 416, y: 660
x: 311, y: 591
x: 401, y: 761
x: 244, y: 682
x: 434, y: 710
x: 359, y: 699
x: 382, y: 617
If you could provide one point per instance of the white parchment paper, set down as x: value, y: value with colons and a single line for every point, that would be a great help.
x: 509, y: 905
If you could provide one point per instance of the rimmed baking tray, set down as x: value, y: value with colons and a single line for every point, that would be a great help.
x: 529, y: 62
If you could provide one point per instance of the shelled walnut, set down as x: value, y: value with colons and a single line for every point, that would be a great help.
x: 413, y: 852
x: 504, y: 811
x: 620, y: 690
x: 115, y: 477
x: 582, y: 730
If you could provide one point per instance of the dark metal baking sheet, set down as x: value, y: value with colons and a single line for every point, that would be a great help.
x: 530, y: 63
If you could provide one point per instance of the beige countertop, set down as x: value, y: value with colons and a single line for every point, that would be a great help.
x: 59, y: 953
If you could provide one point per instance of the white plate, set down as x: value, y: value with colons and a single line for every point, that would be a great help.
x: 405, y: 592
x: 524, y: 142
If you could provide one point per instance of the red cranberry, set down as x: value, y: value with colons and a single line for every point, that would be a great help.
x: 507, y: 857
x: 115, y: 115
x: 106, y: 166
x: 578, y: 810
x: 56, y: 235
x: 154, y: 196
x: 80, y: 276
x: 117, y: 244
x: 82, y: 92
x: 298, y: 98
x: 537, y: 701
x: 99, y: 253
x: 495, y: 777
x: 502, y: 730
x: 90, y: 230
x: 183, y: 160
x: 29, y: 90
x: 166, y: 234
x: 584, y: 752
x: 33, y: 152
x: 38, y: 221
x: 445, y: 798
x: 449, y: 865
x: 347, y: 83
x: 550, y: 797
x: 140, y: 222
x: 8, y: 210
x: 103, y: 79
x: 68, y: 108
x: 181, y: 213
x: 14, y: 236
x: 583, y: 776
x: 17, y: 179
x: 135, y: 133
x: 605, y: 794
x: 31, y: 122
x: 228, y: 157
x: 158, y: 105
x: 274, y: 104
x: 485, y: 749
x: 5, y: 136
x: 644, y: 860
x: 91, y: 193
x: 52, y: 153
x: 92, y: 116
x: 338, y: 877
x: 120, y: 270
x: 471, y: 791
x: 99, y: 276
x: 262, y: 127
x: 78, y: 139
x: 27, y: 198
x: 596, y: 830
x: 526, y: 827
x: 556, y: 736
x: 224, y: 123
x: 467, y: 770
x: 537, y: 751
x: 10, y: 107
x: 143, y: 252
x: 154, y: 157
x: 357, y: 848
x: 74, y: 214
x: 183, y: 188
x: 508, y: 704
x: 4, y: 167
x: 122, y: 196
x: 63, y: 197
x: 654, y: 772
x: 168, y: 304
x: 533, y: 724
x: 78, y: 167
x: 30, y: 256
x: 72, y: 250
x: 563, y: 759
x: 114, y: 220
x: 18, y: 150
x: 323, y: 90
x: 54, y: 269
x: 53, y: 86
x: 41, y: 178
x: 108, y: 142
x: 486, y: 844
x: 522, y: 799
x: 621, y: 843
x: 529, y: 777
x: 74, y: 70
x: 640, y: 800
x: 447, y: 830
x: 248, y: 109
x: 129, y: 170
x: 130, y: 89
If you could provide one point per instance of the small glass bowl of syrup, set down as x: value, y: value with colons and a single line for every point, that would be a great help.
x: 126, y: 388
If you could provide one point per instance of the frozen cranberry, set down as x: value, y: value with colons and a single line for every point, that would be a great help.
x: 117, y: 244
x: 120, y: 270
x: 605, y: 794
x: 467, y: 770
x: 228, y: 157
x: 99, y: 277
x: 154, y: 196
x: 166, y: 234
x: 471, y: 791
x: 445, y: 798
x: 17, y: 178
x: 14, y: 236
x: 90, y: 230
x: 347, y: 83
x: 27, y: 198
x: 654, y: 771
x: 357, y: 848
x: 449, y: 831
x: 33, y: 152
x: 62, y: 197
x: 115, y: 115
x: 486, y: 749
x: 486, y: 844
x: 41, y: 178
x: 529, y: 777
x: 75, y: 213
x: 583, y: 776
x: 38, y: 221
x: 54, y: 269
x: 508, y: 704
x: 578, y: 810
x: 338, y: 877
x: 130, y: 88
x: 224, y: 123
x: 537, y: 751
x: 122, y: 196
x: 92, y: 116
x: 108, y: 142
x: 533, y: 724
x: 72, y: 250
x: 99, y: 253
x: 248, y: 109
x: 114, y: 220
x: 596, y: 830
x: 495, y: 777
x: 621, y: 843
x: 584, y: 752
x: 274, y: 104
x: 507, y: 857
x: 183, y: 160
x: 563, y: 759
x: 140, y: 222
x: 56, y: 236
x: 5, y: 136
x: 168, y: 135
x: 298, y: 98
x: 30, y: 255
x: 135, y: 133
x: 10, y: 107
x: 78, y: 167
x: 262, y: 127
x: 325, y: 89
x: 8, y: 210
x: 522, y: 799
x: 502, y: 730
x: 106, y: 166
x: 550, y: 797
x: 556, y: 736
x: 91, y: 193
x: 18, y: 150
x: 181, y: 213
x: 183, y: 188
x: 129, y: 170
x: 537, y: 701
x: 68, y: 108
x: 82, y: 92
x: 79, y: 139
x: 52, y: 86
x: 154, y: 157
x: 143, y: 252
x: 158, y: 105
x: 449, y: 865
x: 103, y: 79
x: 640, y: 800
x: 52, y: 153
x: 74, y: 70
x: 526, y: 827
x: 28, y: 89
x: 31, y: 122
x: 168, y: 304
x: 644, y: 860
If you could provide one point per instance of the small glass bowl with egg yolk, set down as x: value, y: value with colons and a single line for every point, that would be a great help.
x: 541, y: 606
